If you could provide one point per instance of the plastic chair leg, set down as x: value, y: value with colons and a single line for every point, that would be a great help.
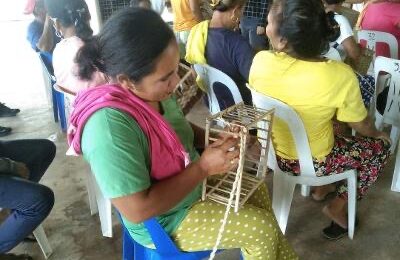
x: 43, y: 242
x: 396, y: 174
x: 394, y: 135
x: 55, y: 107
x: 91, y: 189
x: 61, y: 111
x: 305, y: 190
x: 277, y: 193
x: 105, y: 212
x: 285, y: 203
x: 351, y: 202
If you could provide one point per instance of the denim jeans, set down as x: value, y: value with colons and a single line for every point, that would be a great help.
x: 248, y: 28
x: 30, y: 202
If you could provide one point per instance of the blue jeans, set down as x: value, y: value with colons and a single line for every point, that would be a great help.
x: 30, y: 202
x: 248, y: 28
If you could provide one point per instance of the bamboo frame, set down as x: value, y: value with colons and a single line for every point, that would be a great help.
x: 250, y: 171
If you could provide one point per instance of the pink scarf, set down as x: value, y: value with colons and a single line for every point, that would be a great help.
x: 168, y: 156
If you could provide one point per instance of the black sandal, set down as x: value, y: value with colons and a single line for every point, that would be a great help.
x: 335, y: 232
x: 30, y: 239
x: 11, y: 256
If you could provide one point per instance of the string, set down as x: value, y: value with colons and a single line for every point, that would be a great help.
x: 230, y: 201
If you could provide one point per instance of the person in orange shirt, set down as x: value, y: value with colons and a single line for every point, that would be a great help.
x: 186, y: 15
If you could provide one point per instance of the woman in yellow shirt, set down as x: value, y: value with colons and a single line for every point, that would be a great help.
x: 319, y: 90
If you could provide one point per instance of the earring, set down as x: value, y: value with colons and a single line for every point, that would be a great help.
x: 58, y: 34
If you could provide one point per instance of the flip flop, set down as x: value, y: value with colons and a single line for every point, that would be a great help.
x: 335, y: 232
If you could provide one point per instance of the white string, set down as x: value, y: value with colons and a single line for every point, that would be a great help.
x: 228, y: 207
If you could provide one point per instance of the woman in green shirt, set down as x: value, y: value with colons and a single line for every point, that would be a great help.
x: 126, y: 130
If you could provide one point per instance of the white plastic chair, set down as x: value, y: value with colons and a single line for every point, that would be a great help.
x: 210, y: 76
x: 372, y: 37
x: 333, y: 54
x: 97, y: 202
x: 396, y: 174
x: 43, y: 242
x: 391, y: 114
x: 284, y: 182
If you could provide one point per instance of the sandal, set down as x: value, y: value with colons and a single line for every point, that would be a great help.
x: 11, y: 256
x: 30, y: 239
x: 335, y: 231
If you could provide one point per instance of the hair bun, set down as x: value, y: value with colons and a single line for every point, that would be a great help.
x: 221, y: 5
x: 332, y: 27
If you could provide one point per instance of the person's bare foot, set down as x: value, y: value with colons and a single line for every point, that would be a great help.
x: 319, y: 193
x: 336, y: 212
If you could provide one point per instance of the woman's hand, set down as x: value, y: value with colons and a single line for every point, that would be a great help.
x: 220, y: 156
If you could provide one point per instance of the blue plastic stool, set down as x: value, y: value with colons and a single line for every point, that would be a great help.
x: 165, y: 247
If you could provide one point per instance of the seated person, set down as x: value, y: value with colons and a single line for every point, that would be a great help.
x: 382, y: 16
x: 71, y: 20
x: 320, y: 91
x: 349, y: 48
x: 41, y: 34
x: 218, y: 44
x: 187, y: 14
x: 124, y: 129
x: 252, y: 23
x: 22, y: 165
x: 140, y: 3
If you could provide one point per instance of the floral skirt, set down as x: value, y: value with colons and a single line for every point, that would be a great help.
x: 367, y: 155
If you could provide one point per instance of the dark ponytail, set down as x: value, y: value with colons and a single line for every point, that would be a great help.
x: 224, y: 5
x: 332, y: 27
x: 71, y: 13
x: 306, y: 26
x: 129, y: 43
x: 89, y: 59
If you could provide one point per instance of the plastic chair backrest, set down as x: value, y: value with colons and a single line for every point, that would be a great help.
x: 392, y: 66
x: 333, y: 54
x: 372, y: 37
x: 165, y: 247
x: 295, y: 124
x: 210, y: 76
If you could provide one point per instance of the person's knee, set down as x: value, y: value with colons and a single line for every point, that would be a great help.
x: 44, y: 199
x: 49, y: 149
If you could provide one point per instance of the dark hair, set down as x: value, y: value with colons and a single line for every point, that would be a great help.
x: 39, y: 7
x: 224, y: 5
x: 71, y: 13
x: 306, y: 26
x: 333, y: 2
x: 129, y: 43
x: 136, y: 3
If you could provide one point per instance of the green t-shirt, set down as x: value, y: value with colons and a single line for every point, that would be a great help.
x: 118, y: 152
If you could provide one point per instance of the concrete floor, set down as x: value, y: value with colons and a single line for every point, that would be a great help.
x: 74, y: 234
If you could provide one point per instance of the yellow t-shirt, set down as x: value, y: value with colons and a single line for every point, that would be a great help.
x: 317, y: 91
x: 184, y: 19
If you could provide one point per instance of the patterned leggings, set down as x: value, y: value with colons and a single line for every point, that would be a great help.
x: 367, y: 87
x: 253, y: 229
x: 367, y: 155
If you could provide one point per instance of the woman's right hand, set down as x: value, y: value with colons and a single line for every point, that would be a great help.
x: 220, y: 156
